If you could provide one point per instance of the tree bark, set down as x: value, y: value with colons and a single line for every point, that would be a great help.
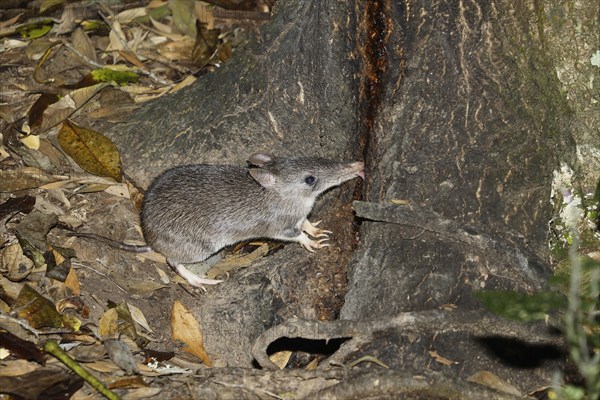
x: 292, y: 93
x: 459, y: 115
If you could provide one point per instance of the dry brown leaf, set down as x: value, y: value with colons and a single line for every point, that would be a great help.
x: 186, y: 328
x: 138, y: 286
x: 132, y: 58
x: 58, y: 112
x: 83, y: 44
x: 47, y: 207
x: 152, y: 256
x: 179, y: 50
x: 13, y: 180
x: 143, y: 99
x: 440, y: 359
x: 142, y: 393
x: 139, y: 317
x: 13, y: 43
x: 222, y: 267
x: 281, y: 358
x: 138, y: 38
x: 120, y: 190
x: 4, y: 308
x: 162, y: 275
x: 312, y: 365
x: 125, y: 17
x: 129, y: 382
x: 15, y: 263
x: 10, y: 21
x: 186, y: 82
x: 31, y: 141
x: 8, y: 112
x: 3, y: 153
x: 68, y: 20
x: 10, y: 289
x: 402, y: 202
x: 161, y: 28
x: 126, y: 324
x: 18, y: 367
x: 136, y: 195
x: 204, y: 14
x: 35, y: 115
x: 116, y: 38
x: 94, y: 188
x: 72, y: 282
x: 37, y: 47
x: 108, y: 324
x: 93, y: 151
x: 488, y: 379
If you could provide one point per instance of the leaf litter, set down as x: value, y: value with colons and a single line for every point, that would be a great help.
x: 105, y: 315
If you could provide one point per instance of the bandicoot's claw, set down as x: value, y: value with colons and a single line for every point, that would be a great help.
x: 312, y: 229
x: 310, y: 244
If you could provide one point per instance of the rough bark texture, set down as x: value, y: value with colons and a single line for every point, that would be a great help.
x: 461, y: 120
x: 291, y: 93
x: 469, y: 133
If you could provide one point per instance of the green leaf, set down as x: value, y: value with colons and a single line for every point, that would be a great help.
x: 35, y: 29
x: 120, y: 77
x: 47, y: 4
x: 519, y: 306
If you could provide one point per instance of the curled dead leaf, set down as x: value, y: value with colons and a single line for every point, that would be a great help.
x: 186, y: 328
x: 442, y: 360
x: 139, y: 317
x: 107, y: 325
x: 13, y: 180
x: 281, y: 358
x: 235, y: 262
x: 15, y: 263
x: 488, y: 379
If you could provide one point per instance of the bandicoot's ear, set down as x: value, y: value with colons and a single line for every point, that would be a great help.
x: 260, y: 159
x: 266, y: 178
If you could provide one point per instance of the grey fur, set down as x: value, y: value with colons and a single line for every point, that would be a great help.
x: 192, y: 211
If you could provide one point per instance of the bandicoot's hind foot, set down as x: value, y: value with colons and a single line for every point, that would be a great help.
x: 194, y: 279
x: 312, y: 244
x: 313, y: 231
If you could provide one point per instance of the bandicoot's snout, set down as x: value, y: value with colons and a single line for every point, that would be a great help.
x: 360, y: 169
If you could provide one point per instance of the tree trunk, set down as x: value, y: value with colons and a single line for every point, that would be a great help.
x: 457, y: 111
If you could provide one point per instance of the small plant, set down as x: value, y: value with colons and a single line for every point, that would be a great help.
x: 577, y: 306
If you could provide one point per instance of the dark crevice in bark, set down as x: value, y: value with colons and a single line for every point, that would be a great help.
x: 373, y: 33
x: 375, y: 61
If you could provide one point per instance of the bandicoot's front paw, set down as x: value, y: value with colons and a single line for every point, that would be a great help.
x: 312, y: 244
x: 313, y: 231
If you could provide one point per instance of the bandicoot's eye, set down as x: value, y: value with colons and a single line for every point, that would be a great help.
x: 310, y: 180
